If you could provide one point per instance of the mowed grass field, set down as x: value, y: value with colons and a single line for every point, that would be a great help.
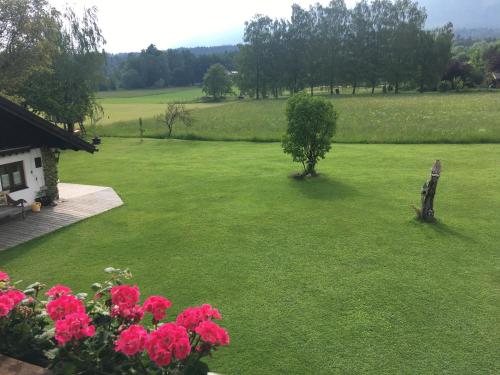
x: 125, y: 105
x: 324, y: 276
x: 406, y: 118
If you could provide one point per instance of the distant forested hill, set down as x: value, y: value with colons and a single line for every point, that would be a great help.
x: 463, y: 13
x: 217, y: 50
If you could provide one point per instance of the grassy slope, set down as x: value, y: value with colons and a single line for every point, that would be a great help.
x: 429, y: 118
x: 313, y: 277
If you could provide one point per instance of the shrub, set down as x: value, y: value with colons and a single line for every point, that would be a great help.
x: 458, y: 84
x: 311, y: 125
x: 108, y: 333
x: 444, y: 86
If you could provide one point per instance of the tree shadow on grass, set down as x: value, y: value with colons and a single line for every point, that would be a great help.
x: 444, y: 230
x: 323, y: 188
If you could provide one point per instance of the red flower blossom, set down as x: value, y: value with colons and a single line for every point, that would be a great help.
x: 193, y: 316
x: 157, y: 306
x: 9, y: 300
x: 125, y: 296
x: 73, y: 327
x: 6, y: 305
x: 131, y: 340
x: 58, y: 291
x: 170, y: 340
x: 132, y: 314
x: 212, y: 333
x: 15, y: 295
x: 60, y: 307
x: 4, y: 276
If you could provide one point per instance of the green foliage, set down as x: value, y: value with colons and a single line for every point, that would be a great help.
x: 458, y: 84
x: 311, y: 125
x: 444, y: 86
x: 217, y: 82
x: 28, y: 30
x: 65, y: 94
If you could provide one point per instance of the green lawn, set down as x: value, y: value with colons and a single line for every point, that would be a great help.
x: 407, y: 118
x: 150, y: 96
x: 323, y: 276
x: 129, y: 105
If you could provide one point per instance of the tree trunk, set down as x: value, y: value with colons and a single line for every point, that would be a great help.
x: 373, y: 88
x: 312, y: 89
x: 331, y: 88
x: 354, y: 88
x: 427, y: 212
x: 396, y: 89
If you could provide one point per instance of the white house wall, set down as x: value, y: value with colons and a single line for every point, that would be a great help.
x: 35, y: 179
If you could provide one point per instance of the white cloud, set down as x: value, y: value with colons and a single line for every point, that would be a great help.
x: 130, y: 25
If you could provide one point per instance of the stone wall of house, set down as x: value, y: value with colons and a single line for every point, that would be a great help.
x: 51, y: 174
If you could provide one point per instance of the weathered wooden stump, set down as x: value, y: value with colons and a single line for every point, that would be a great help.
x: 426, y: 212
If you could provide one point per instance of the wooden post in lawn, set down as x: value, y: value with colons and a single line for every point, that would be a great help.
x: 426, y: 213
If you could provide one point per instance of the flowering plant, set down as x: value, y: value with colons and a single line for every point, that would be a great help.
x: 109, y: 333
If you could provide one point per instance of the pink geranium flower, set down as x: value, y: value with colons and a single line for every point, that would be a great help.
x: 131, y: 314
x: 157, y: 306
x: 16, y: 296
x: 6, y: 305
x: 9, y: 300
x: 125, y: 296
x: 193, y: 316
x: 4, y: 276
x: 58, y: 291
x: 167, y: 342
x: 73, y: 327
x: 212, y: 333
x: 131, y: 341
x: 60, y: 307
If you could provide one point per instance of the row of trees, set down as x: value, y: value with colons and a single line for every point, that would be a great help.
x: 152, y: 68
x: 373, y: 43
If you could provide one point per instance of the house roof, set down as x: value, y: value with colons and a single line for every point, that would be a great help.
x: 21, y: 128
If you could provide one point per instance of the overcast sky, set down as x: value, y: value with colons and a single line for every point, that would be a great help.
x: 131, y: 25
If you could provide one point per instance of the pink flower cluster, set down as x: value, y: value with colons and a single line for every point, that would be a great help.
x: 132, y: 340
x: 125, y: 299
x: 171, y: 341
x: 9, y: 300
x: 167, y: 342
x: 68, y: 312
x: 157, y: 306
x: 74, y: 326
x: 211, y: 333
x: 58, y: 291
x: 193, y: 316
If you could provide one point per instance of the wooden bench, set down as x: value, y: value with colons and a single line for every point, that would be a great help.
x: 10, y: 207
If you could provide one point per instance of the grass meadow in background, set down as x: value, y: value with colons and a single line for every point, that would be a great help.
x: 406, y: 118
x: 325, y: 276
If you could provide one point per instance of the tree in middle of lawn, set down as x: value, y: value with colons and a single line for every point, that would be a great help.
x: 311, y: 126
x: 217, y: 82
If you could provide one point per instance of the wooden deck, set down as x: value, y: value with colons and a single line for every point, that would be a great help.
x: 78, y: 202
